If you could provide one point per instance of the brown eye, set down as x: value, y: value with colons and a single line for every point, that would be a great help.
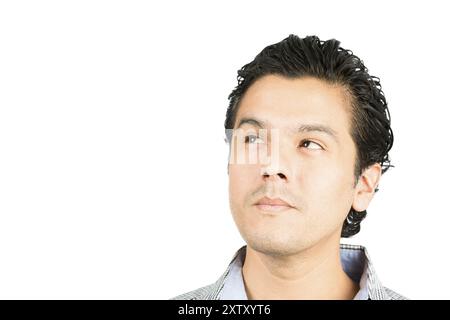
x: 252, y: 139
x: 307, y: 143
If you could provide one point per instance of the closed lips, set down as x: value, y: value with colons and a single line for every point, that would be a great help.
x: 273, y: 202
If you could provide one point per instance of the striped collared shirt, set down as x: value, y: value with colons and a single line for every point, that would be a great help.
x: 354, y: 259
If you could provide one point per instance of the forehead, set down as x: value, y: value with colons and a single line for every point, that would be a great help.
x: 285, y: 103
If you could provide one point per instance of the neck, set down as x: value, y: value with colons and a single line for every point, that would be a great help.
x: 314, y: 273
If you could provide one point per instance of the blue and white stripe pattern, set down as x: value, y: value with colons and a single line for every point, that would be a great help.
x: 355, y: 262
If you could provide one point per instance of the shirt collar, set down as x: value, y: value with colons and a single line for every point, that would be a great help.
x: 355, y: 262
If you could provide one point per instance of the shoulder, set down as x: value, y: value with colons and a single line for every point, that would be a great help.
x: 213, y: 290
x: 198, y: 294
x: 392, y: 295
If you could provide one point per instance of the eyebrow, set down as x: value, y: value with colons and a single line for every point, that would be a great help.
x: 319, y: 128
x: 251, y: 121
x: 301, y: 128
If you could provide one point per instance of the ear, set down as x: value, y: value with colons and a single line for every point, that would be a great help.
x: 365, y: 188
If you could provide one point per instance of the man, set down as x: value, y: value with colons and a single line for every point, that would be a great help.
x: 309, y: 133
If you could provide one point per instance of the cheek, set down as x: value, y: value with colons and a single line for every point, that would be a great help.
x: 242, y: 181
x: 327, y: 172
x: 328, y: 185
x: 326, y: 178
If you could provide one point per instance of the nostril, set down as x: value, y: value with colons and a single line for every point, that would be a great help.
x: 282, y: 175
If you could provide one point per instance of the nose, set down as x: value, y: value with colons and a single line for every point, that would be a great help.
x: 279, y: 175
x: 277, y: 166
x: 273, y: 171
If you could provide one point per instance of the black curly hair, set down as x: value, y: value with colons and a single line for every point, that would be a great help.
x: 296, y: 57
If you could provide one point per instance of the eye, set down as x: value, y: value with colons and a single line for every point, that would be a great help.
x: 252, y: 139
x: 307, y: 143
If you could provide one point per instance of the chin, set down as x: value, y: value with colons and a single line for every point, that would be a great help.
x: 275, y: 245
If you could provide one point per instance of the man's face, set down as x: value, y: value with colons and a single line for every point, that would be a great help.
x: 314, y: 172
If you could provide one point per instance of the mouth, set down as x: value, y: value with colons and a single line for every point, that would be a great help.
x: 273, y: 205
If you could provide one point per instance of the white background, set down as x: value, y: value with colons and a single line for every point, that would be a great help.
x: 113, y: 180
